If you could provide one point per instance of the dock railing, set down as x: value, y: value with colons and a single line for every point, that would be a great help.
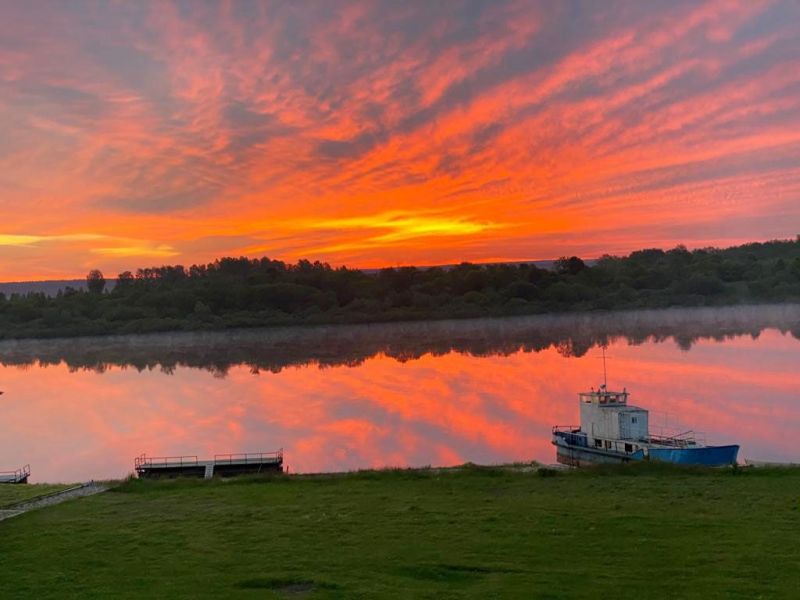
x: 16, y: 475
x: 143, y: 462
x: 249, y: 458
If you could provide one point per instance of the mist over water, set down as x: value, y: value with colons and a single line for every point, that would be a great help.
x: 404, y: 394
x: 273, y: 349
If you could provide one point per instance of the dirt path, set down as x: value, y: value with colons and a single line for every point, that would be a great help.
x: 87, y: 489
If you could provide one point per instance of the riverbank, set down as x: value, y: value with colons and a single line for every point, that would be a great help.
x: 639, y: 531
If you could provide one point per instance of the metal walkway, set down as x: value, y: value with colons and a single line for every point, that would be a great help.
x: 16, y: 476
x: 225, y: 465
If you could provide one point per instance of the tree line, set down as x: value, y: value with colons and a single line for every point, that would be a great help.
x: 245, y: 292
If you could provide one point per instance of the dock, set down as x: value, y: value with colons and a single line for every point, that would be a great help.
x: 223, y: 465
x: 16, y: 476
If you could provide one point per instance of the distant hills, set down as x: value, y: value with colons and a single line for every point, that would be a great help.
x: 49, y: 288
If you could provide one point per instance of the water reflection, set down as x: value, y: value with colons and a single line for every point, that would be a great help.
x: 278, y: 348
x: 485, y: 391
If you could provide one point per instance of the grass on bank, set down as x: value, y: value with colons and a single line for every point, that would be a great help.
x: 645, y: 531
x: 14, y: 494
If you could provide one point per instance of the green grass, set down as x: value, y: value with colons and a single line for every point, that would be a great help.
x: 12, y: 494
x: 638, y: 532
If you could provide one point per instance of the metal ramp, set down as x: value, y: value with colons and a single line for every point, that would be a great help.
x: 16, y: 476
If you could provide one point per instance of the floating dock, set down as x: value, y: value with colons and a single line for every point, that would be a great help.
x: 224, y: 465
x: 17, y: 476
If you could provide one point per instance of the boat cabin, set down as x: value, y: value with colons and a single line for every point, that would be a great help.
x: 606, y: 416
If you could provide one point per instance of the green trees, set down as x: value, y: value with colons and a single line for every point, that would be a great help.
x: 571, y: 266
x: 242, y: 292
x: 95, y: 282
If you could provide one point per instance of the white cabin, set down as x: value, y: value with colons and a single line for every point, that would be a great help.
x: 607, y: 417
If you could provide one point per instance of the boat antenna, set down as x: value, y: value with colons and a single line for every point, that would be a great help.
x: 605, y: 374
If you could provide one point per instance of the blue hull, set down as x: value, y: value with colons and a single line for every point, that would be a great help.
x: 710, y: 456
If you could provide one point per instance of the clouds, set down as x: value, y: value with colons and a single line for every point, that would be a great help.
x: 531, y: 122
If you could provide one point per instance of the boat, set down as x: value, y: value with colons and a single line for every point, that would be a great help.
x: 613, y: 431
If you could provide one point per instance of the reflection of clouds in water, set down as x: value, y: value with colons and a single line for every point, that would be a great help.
x: 350, y: 345
x: 438, y: 409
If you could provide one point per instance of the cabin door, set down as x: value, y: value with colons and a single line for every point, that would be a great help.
x: 624, y: 426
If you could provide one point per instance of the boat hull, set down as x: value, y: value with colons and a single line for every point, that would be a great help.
x: 575, y: 456
x: 709, y: 456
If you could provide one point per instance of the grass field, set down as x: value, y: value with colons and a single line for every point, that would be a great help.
x: 637, y: 532
x: 12, y: 494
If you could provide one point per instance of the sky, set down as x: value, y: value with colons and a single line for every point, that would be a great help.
x: 390, y: 133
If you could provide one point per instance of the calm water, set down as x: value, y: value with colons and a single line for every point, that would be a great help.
x: 338, y: 398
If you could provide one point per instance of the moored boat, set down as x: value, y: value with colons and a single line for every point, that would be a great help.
x: 613, y: 431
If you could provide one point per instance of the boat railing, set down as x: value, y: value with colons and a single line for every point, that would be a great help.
x: 575, y: 437
x: 571, y: 434
x: 566, y: 428
x: 249, y: 458
x: 679, y: 440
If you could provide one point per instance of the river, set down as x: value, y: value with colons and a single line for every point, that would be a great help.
x: 409, y: 394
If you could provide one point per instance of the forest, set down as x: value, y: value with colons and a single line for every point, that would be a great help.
x: 252, y: 292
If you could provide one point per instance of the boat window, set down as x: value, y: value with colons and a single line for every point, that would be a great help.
x: 628, y: 448
x: 608, y: 445
x: 598, y: 443
x: 633, y: 419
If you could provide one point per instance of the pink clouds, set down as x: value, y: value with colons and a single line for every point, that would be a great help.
x: 180, y: 133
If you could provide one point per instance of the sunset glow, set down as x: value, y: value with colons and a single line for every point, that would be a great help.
x: 382, y: 133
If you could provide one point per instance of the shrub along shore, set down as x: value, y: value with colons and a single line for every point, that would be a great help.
x: 241, y: 292
x: 637, y: 531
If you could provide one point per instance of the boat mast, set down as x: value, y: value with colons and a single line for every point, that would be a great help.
x: 605, y: 374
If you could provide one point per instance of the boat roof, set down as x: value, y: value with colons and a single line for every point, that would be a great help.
x: 608, y: 398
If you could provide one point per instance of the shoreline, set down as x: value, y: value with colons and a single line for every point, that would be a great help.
x: 310, y: 324
x: 472, y: 532
x: 269, y: 347
x: 523, y: 468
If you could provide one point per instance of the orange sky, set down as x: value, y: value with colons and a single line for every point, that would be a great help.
x: 383, y: 133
